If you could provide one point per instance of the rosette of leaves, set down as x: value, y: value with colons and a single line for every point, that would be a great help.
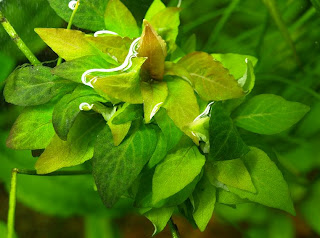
x: 164, y: 132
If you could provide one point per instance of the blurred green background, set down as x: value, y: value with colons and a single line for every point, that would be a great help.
x: 287, y: 45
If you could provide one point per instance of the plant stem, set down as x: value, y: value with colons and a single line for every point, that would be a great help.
x: 174, y: 229
x: 70, y: 24
x: 17, y: 40
x: 12, y: 203
x: 274, y: 12
x: 214, y: 35
x: 13, y: 191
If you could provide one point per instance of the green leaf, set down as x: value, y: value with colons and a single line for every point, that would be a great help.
x: 160, y: 151
x: 154, y: 48
x: 90, y: 14
x: 4, y: 230
x: 119, y: 131
x: 159, y: 218
x: 154, y: 95
x: 177, y: 171
x: 190, y: 45
x: 231, y: 173
x: 68, y: 108
x: 211, y: 80
x: 124, y: 86
x: 229, y: 198
x: 204, y: 201
x: 33, y: 129
x: 225, y: 141
x: 272, y: 189
x: 52, y: 195
x: 128, y: 112
x: 171, y: 132
x: 316, y: 4
x: 7, y: 65
x: 119, y: 19
x: 116, y: 167
x: 180, y: 110
x: 268, y: 114
x: 34, y: 85
x: 235, y: 63
x: 156, y: 6
x: 76, y: 150
x: 73, y: 69
x: 166, y: 23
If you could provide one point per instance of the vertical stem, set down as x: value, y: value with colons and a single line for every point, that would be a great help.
x: 17, y: 40
x: 227, y: 13
x: 12, y: 203
x: 70, y: 24
x: 173, y: 229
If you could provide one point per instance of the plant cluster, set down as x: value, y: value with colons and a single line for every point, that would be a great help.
x: 164, y: 125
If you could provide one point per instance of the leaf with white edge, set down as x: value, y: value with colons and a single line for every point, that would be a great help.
x: 156, y: 6
x: 204, y: 201
x: 247, y: 81
x: 68, y: 108
x: 166, y: 23
x: 33, y: 129
x: 115, y: 168
x: 154, y: 48
x: 90, y: 14
x: 34, y: 85
x: 211, y: 80
x: 171, y: 132
x: 272, y: 189
x: 180, y: 110
x: 119, y: 19
x: 269, y: 114
x: 119, y: 131
x: 231, y: 173
x: 154, y: 94
x: 124, y: 86
x: 225, y: 141
x: 73, y: 69
x: 176, y: 171
x: 159, y: 218
x: 235, y: 63
x: 76, y: 150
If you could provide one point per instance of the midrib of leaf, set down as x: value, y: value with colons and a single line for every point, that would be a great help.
x: 252, y: 116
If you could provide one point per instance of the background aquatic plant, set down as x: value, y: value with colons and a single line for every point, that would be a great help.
x: 152, y: 149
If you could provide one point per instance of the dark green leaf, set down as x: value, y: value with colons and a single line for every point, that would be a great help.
x: 33, y: 129
x: 90, y: 14
x: 34, y: 85
x: 129, y: 112
x: 177, y: 171
x: 160, y: 151
x: 68, y: 108
x: 225, y: 141
x: 119, y: 19
x: 76, y: 150
x: 269, y: 114
x: 116, y: 167
x: 171, y: 132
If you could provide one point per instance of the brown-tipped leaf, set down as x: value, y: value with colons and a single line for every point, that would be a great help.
x: 153, y: 47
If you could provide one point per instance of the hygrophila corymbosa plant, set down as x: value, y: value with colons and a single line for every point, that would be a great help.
x: 163, y: 125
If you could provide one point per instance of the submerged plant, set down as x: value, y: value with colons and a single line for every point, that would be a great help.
x: 164, y: 125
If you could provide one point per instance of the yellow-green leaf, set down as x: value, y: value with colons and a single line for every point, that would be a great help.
x: 182, y: 106
x: 210, y: 79
x: 155, y: 7
x: 154, y: 95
